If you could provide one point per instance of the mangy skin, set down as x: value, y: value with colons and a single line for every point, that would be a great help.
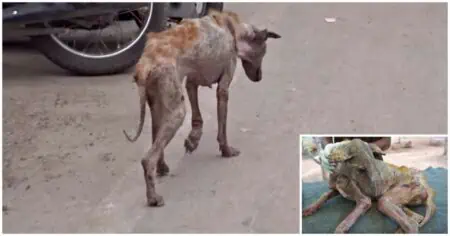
x: 360, y: 177
x: 205, y: 51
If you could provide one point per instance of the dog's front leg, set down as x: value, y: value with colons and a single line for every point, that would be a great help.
x: 317, y: 204
x: 348, y: 189
x: 222, y: 110
x: 191, y: 142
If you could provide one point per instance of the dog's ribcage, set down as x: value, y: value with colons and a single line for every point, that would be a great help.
x: 210, y: 55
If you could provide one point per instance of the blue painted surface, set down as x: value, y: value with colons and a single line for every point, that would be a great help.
x: 334, y: 211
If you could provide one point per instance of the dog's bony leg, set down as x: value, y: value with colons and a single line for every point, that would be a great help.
x: 317, y: 204
x: 222, y: 110
x: 351, y: 191
x: 173, y: 111
x: 390, y: 205
x: 191, y: 142
x: 411, y: 214
x: 156, y: 113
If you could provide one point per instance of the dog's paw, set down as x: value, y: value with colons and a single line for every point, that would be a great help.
x: 190, y: 145
x: 162, y: 169
x: 339, y: 231
x: 309, y: 211
x: 343, y: 227
x: 229, y: 151
x: 155, y: 201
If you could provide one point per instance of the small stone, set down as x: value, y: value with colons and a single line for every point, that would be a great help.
x: 106, y: 157
x: 330, y: 19
x: 244, y: 130
x: 247, y: 221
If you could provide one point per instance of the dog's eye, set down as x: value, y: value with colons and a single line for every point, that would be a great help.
x: 362, y: 170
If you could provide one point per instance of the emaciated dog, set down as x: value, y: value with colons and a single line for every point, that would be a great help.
x: 205, y: 51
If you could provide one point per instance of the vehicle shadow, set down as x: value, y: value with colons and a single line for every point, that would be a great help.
x: 24, y: 63
x: 21, y: 61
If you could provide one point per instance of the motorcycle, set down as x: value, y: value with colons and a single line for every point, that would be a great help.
x: 94, y: 38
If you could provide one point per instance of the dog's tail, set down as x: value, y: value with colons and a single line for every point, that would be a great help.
x: 431, y: 207
x: 141, y: 82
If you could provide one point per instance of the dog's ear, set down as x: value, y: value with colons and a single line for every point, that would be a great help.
x: 377, y: 152
x: 263, y: 35
x: 271, y: 34
x: 260, y: 35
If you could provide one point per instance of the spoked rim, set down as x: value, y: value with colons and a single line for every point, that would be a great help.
x: 199, y: 8
x: 120, y: 47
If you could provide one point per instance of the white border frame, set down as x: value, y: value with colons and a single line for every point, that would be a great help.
x: 300, y: 141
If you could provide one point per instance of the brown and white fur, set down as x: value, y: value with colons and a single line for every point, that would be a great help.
x: 205, y: 51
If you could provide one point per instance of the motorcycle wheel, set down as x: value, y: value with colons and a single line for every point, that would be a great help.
x: 82, y: 63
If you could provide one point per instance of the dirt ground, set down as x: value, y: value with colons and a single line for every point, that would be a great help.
x: 67, y: 167
x: 416, y: 152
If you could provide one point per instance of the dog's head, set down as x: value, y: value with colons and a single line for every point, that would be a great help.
x: 251, y: 46
x: 358, y: 161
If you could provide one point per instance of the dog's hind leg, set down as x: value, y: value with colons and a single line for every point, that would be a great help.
x: 390, y: 205
x: 156, y: 114
x: 191, y: 142
x: 173, y: 112
x: 411, y: 214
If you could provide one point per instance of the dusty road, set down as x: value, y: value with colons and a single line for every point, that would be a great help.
x: 67, y: 167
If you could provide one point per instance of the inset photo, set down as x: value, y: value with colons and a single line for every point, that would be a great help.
x: 373, y: 184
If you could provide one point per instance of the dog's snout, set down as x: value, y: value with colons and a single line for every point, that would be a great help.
x: 257, y: 75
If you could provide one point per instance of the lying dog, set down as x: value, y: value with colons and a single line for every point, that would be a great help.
x: 361, y: 177
x: 205, y: 51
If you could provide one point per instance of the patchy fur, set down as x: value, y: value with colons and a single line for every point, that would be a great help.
x: 360, y: 177
x: 205, y: 52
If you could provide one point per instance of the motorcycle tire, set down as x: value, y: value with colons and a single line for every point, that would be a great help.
x: 81, y: 65
x: 211, y: 5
